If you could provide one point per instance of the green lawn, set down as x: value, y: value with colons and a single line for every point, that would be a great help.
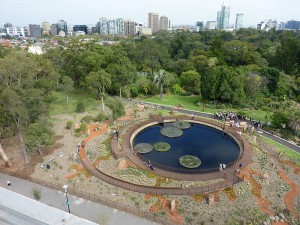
x: 189, y: 102
x: 61, y: 106
x: 285, y: 150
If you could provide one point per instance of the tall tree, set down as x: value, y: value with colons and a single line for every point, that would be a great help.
x: 159, y: 79
x: 99, y: 81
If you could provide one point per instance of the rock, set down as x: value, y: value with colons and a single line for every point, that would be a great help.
x: 265, y: 223
x: 281, y: 220
x: 276, y: 218
x: 211, y: 199
x: 281, y: 215
x: 272, y: 218
x: 173, y: 204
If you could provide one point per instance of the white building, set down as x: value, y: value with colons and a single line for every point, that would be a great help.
x: 15, y: 31
x: 210, y: 25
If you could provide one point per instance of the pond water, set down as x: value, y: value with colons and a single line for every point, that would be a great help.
x: 210, y: 145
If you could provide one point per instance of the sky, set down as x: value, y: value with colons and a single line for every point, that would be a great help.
x: 24, y: 12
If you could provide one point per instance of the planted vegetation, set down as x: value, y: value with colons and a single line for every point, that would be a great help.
x: 181, y: 124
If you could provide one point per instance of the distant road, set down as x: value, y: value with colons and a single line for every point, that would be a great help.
x: 209, y: 115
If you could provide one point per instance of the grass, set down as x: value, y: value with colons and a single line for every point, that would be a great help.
x: 189, y: 102
x: 285, y: 150
x: 61, y: 106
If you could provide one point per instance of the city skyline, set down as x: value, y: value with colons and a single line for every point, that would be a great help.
x: 24, y: 12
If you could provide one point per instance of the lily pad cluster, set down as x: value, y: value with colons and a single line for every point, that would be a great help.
x: 189, y: 161
x: 143, y: 148
x: 161, y: 146
x: 171, y: 132
x: 181, y: 124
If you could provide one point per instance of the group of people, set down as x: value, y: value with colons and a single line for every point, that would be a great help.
x: 149, y: 165
x: 115, y: 134
x: 222, y: 167
x: 226, y: 115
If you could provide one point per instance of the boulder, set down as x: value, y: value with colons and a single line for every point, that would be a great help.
x: 281, y: 215
x: 173, y: 204
x: 277, y: 218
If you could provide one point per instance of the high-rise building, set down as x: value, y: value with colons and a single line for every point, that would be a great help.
x: 199, y: 26
x: 153, y: 21
x: 62, y: 26
x: 210, y: 25
x: 15, y: 31
x: 223, y: 17
x: 129, y: 27
x: 293, y: 25
x: 103, y: 28
x: 163, y: 23
x: 239, y: 21
x: 83, y: 28
x: 35, y: 30
x: 46, y: 26
x: 119, y: 26
x: 54, y: 30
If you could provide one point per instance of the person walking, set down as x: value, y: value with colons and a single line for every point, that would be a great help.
x: 8, y: 184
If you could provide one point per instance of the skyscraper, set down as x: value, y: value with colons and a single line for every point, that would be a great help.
x: 239, y: 21
x: 46, y: 26
x: 153, y: 21
x: 35, y: 30
x: 54, y: 29
x: 223, y: 17
x: 62, y: 26
x: 163, y: 23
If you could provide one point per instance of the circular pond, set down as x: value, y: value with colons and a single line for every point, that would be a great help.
x: 210, y: 145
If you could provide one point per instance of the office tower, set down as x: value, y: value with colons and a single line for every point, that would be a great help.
x: 293, y: 25
x: 239, y: 21
x: 83, y: 28
x: 223, y: 17
x: 199, y: 26
x: 210, y: 25
x: 54, y: 29
x: 163, y: 23
x: 62, y: 27
x: 129, y: 27
x: 35, y: 30
x: 153, y: 21
x: 46, y: 26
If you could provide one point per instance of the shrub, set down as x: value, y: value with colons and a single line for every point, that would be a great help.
x: 116, y: 107
x: 99, y: 118
x: 37, y: 194
x: 82, y: 129
x: 266, y: 108
x: 80, y: 107
x: 69, y: 124
x: 87, y: 119
x: 185, y: 93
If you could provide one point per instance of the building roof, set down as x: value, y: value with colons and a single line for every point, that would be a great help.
x: 18, y: 209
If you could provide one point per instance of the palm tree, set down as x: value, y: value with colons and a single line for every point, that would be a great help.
x: 159, y: 79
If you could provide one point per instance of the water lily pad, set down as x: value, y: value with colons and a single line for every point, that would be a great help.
x: 161, y: 146
x: 181, y: 124
x: 189, y: 161
x: 171, y: 132
x: 143, y: 148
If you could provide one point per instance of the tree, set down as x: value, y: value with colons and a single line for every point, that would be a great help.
x: 116, y: 107
x: 294, y: 122
x: 100, y: 81
x: 39, y: 134
x: 190, y: 81
x: 279, y: 118
x: 159, y: 79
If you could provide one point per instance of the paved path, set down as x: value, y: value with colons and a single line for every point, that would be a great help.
x: 209, y: 115
x: 80, y: 207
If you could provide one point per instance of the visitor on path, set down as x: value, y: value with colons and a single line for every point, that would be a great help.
x: 82, y: 144
x: 78, y: 148
x: 8, y: 184
x: 193, y: 116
